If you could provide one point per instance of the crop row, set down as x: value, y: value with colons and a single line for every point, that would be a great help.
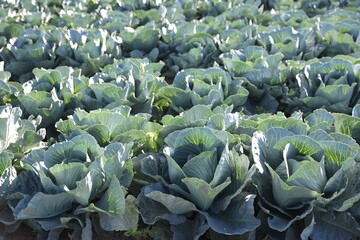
x: 180, y: 119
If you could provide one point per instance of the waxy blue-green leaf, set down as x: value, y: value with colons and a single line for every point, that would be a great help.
x: 153, y: 210
x: 287, y: 196
x: 347, y: 125
x: 294, y: 125
x: 44, y: 104
x: 197, y: 112
x: 302, y: 143
x: 310, y: 175
x: 273, y: 136
x: 259, y: 150
x: 8, y: 89
x: 201, y: 193
x: 178, y: 99
x: 26, y: 183
x: 52, y: 205
x: 10, y: 123
x: 241, y: 177
x: 336, y: 93
x: 356, y: 109
x: 196, y: 116
x: 328, y: 83
x: 191, y: 228
x: 345, y: 139
x: 58, y: 153
x: 68, y: 174
x: 175, y: 205
x: 87, y: 188
x: 238, y: 218
x: 345, y: 186
x: 320, y: 116
x: 117, y: 162
x: 83, y: 148
x: 142, y: 38
x: 202, y: 166
x: 320, y: 135
x: 283, y: 222
x: 336, y: 153
x: 30, y: 140
x: 5, y: 161
x: 334, y: 225
x: 7, y: 176
x: 49, y: 185
x: 176, y: 174
x: 126, y: 221
x: 223, y: 169
x: 100, y: 132
x: 196, y: 50
x: 113, y: 200
x: 229, y: 38
x: 192, y: 141
x: 136, y: 122
x: 292, y: 43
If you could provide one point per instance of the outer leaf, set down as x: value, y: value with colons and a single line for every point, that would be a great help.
x: 191, y: 229
x: 126, y: 221
x: 118, y: 162
x: 48, y: 184
x: 336, y: 94
x: 57, y: 222
x: 192, y: 141
x: 176, y: 174
x: 294, y: 125
x: 87, y: 187
x: 30, y: 140
x: 9, y: 123
x: 45, y: 104
x: 100, y: 132
x: 238, y: 218
x: 348, y: 181
x: 6, y: 179
x: 198, y: 112
x: 289, y: 196
x: 152, y: 210
x: 5, y: 161
x: 302, y: 143
x: 175, y: 205
x: 202, y: 166
x: 33, y: 158
x: 274, y: 155
x: 51, y: 205
x: 282, y: 222
x: 68, y: 174
x: 240, y: 177
x: 347, y: 125
x: 336, y: 152
x: 87, y: 232
x: 88, y: 147
x: 320, y: 135
x: 58, y: 153
x: 223, y: 168
x: 320, y: 116
x: 26, y: 183
x: 201, y: 193
x: 258, y: 149
x: 113, y: 200
x: 177, y: 98
x: 146, y: 40
x: 335, y: 226
x: 310, y: 175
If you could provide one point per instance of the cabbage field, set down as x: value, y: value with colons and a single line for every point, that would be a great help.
x: 180, y: 119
